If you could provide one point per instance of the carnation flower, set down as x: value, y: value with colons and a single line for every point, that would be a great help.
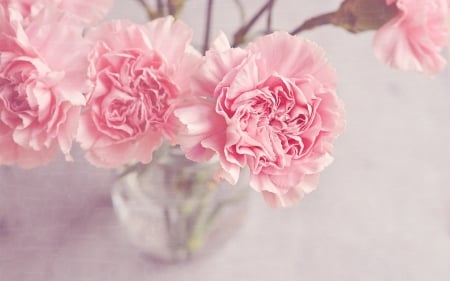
x: 137, y: 73
x: 415, y: 38
x: 272, y: 107
x: 42, y: 77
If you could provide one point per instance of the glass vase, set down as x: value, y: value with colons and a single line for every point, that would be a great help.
x: 173, y: 209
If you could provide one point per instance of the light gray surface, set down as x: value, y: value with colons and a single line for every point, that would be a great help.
x: 381, y: 212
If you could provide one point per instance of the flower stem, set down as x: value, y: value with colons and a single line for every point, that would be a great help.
x: 241, y: 10
x: 239, y: 36
x: 314, y: 22
x: 269, y: 18
x: 160, y: 7
x: 138, y: 168
x: 209, y: 10
x: 171, y: 7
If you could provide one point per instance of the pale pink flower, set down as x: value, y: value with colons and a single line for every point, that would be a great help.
x: 272, y: 107
x: 42, y: 77
x: 137, y: 74
x: 415, y: 38
x: 89, y: 11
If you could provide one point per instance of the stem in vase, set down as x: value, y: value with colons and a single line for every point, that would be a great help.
x: 196, y: 238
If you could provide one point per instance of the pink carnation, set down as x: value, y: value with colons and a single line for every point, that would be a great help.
x: 88, y: 11
x: 137, y: 73
x: 42, y: 77
x: 272, y: 107
x: 415, y: 38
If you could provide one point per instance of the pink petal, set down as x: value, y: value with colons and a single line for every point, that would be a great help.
x: 414, y: 39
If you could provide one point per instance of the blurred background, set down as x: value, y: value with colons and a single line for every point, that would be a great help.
x: 381, y: 212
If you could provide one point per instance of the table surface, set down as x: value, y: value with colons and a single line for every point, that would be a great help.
x: 381, y: 212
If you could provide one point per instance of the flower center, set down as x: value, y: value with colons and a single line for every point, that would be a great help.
x: 276, y: 118
x: 15, y: 107
x: 141, y: 94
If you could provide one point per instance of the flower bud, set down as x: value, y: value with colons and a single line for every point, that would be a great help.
x: 361, y: 15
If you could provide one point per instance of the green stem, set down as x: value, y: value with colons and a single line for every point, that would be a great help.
x: 138, y: 167
x: 203, y: 220
x: 220, y: 206
x: 196, y: 238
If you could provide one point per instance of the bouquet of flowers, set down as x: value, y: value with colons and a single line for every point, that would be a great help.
x: 125, y: 92
x: 121, y: 89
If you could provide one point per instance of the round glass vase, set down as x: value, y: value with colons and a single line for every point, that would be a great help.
x: 173, y: 209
